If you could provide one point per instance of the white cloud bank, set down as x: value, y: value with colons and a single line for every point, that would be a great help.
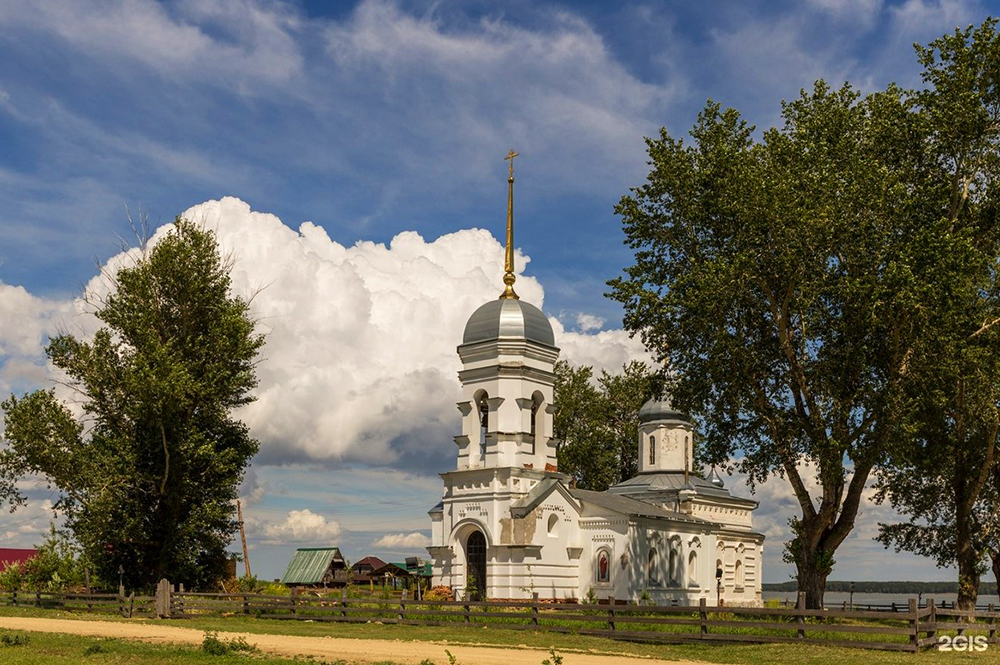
x: 402, y: 541
x: 301, y: 526
x: 360, y: 362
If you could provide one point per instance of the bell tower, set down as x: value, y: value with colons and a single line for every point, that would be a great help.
x: 508, y: 357
x: 666, y: 439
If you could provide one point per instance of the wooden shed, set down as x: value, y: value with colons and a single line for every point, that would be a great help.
x: 316, y: 566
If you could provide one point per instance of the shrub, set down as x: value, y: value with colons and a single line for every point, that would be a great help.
x: 15, y: 640
x: 439, y: 593
x: 57, y: 565
x: 11, y: 576
x: 216, y: 647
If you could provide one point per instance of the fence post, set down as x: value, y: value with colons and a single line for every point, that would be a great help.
x: 534, y: 608
x: 246, y: 604
x: 15, y: 597
x: 703, y: 615
x: 466, y: 609
x: 343, y: 602
x: 38, y: 598
x: 800, y: 618
x: 402, y: 607
x: 162, y: 599
x: 295, y: 599
x: 914, y: 626
x: 932, y: 618
x: 611, y: 613
x: 993, y: 624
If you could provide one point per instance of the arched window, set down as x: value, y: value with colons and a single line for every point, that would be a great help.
x: 693, y: 568
x: 674, y: 573
x: 553, y: 525
x: 475, y: 555
x: 536, y: 405
x: 738, y: 574
x: 484, y: 422
x: 651, y: 568
x: 603, y: 567
x: 652, y: 450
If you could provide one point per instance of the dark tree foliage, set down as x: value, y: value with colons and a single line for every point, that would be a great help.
x: 148, y: 476
x: 792, y: 282
x: 598, y: 426
x: 947, y: 450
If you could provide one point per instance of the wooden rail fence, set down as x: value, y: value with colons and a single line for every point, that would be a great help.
x: 911, y: 630
x: 106, y: 603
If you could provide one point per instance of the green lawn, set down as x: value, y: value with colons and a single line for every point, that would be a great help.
x: 76, y: 650
x: 566, y: 644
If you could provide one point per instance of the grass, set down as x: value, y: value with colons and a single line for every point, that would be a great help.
x: 565, y: 644
x: 76, y: 650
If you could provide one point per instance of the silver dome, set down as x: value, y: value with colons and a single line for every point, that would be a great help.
x: 660, y: 409
x: 716, y: 479
x: 508, y: 319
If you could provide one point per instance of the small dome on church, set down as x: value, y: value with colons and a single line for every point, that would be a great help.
x: 660, y: 409
x: 715, y: 479
x: 508, y: 319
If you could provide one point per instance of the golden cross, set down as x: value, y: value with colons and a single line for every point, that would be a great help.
x: 511, y: 155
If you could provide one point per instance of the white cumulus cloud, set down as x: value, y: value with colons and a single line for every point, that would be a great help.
x: 301, y: 526
x: 589, y: 322
x: 360, y: 362
x: 402, y: 541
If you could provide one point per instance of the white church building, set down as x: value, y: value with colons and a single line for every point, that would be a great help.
x: 509, y: 525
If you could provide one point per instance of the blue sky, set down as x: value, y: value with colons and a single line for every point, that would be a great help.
x: 371, y: 120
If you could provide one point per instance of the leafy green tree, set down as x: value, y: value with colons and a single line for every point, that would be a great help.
x: 791, y: 282
x: 941, y: 469
x: 598, y: 425
x: 148, y: 476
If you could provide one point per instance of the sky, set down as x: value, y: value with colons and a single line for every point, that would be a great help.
x: 350, y: 157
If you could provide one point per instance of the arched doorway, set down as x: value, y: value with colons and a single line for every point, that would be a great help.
x: 475, y: 555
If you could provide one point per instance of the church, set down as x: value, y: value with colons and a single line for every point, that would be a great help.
x: 510, y: 525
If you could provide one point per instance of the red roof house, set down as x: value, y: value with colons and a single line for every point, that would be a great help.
x: 361, y: 571
x: 12, y: 555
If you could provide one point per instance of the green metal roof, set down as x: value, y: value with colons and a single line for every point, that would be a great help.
x: 309, y: 564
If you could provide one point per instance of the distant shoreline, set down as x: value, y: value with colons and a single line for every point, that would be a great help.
x: 985, y: 588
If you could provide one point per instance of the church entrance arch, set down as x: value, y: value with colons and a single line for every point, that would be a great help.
x: 475, y: 556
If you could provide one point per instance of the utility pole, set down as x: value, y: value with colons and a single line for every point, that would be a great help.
x: 243, y: 537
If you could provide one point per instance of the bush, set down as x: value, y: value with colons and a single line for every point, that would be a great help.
x: 56, y: 566
x: 11, y: 576
x: 16, y: 640
x: 275, y: 589
x: 216, y: 647
x: 439, y: 593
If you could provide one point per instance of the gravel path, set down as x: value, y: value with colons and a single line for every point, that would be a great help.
x: 362, y: 651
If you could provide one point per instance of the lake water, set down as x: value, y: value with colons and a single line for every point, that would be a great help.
x: 832, y: 598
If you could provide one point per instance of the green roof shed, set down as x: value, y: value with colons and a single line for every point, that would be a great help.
x: 314, y: 566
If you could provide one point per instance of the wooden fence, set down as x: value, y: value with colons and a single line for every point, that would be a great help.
x: 910, y: 630
x: 106, y: 603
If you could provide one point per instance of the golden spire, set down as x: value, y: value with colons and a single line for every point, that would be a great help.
x: 508, y: 277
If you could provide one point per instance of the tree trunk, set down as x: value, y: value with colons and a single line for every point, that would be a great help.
x: 968, y: 559
x: 995, y: 557
x: 813, y: 582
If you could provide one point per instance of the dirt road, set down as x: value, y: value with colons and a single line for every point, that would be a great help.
x: 362, y: 651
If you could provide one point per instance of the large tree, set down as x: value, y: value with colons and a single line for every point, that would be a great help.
x: 794, y: 283
x: 945, y: 454
x: 149, y: 473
